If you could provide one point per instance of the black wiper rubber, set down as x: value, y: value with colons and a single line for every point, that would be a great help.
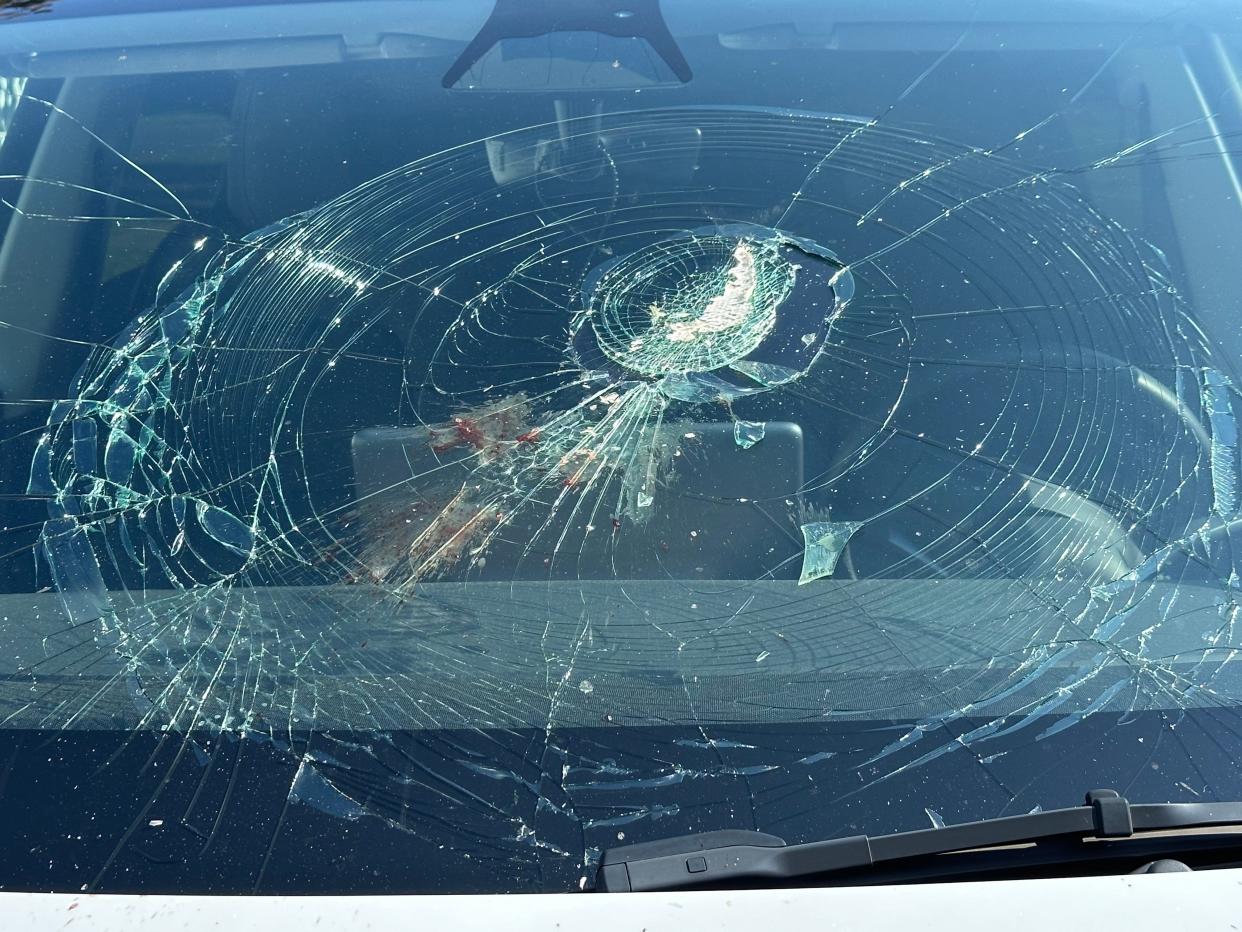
x: 713, y: 858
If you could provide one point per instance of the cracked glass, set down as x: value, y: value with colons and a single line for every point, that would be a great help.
x: 431, y: 455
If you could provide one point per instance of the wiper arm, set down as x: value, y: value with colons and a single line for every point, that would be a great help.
x: 725, y: 857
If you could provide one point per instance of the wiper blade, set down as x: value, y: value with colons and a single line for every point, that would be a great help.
x: 714, y: 858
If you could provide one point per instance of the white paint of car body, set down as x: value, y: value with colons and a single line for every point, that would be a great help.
x: 1203, y: 900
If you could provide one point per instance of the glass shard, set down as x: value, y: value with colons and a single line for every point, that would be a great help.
x: 747, y: 433
x: 1224, y: 451
x: 823, y: 542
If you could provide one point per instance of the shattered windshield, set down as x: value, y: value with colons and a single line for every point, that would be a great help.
x: 442, y: 440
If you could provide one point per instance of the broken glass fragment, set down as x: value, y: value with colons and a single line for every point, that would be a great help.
x: 224, y: 527
x: 310, y: 788
x: 747, y: 433
x: 75, y: 569
x: 823, y: 542
x: 1224, y: 451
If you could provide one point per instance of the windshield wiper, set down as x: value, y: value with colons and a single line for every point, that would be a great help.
x: 727, y: 857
